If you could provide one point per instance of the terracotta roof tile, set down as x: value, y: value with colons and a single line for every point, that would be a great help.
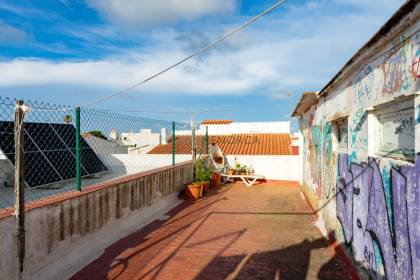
x: 210, y: 122
x: 235, y: 144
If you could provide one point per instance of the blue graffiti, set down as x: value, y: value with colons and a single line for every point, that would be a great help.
x: 387, y: 188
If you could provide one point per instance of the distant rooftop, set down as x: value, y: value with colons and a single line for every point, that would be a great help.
x: 229, y: 127
x: 212, y: 122
x: 234, y: 144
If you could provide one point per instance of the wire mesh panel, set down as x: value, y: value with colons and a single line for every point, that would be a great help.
x: 111, y: 145
x: 125, y: 143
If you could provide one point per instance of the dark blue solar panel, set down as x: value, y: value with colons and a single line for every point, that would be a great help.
x: 50, y: 152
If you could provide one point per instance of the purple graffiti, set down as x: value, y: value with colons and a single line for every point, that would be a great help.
x: 363, y: 214
x: 413, y: 202
x: 344, y: 198
x: 362, y: 242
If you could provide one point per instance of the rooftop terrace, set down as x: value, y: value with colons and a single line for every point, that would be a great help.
x: 234, y: 233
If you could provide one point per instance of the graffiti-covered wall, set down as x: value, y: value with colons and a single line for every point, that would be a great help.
x: 371, y: 201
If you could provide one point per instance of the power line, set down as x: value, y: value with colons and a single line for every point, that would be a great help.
x: 164, y: 112
x: 199, y: 51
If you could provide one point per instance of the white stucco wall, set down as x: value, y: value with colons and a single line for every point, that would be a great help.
x: 143, y: 138
x: 272, y: 167
x: 241, y: 128
x: 123, y: 164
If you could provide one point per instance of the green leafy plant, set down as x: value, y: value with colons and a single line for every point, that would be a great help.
x: 202, y: 172
x: 244, y: 169
x: 67, y: 119
x: 98, y: 134
x: 237, y: 166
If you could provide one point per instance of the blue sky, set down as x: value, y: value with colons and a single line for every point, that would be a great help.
x: 72, y: 52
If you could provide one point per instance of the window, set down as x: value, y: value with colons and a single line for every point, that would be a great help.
x: 395, y: 133
x: 341, y: 134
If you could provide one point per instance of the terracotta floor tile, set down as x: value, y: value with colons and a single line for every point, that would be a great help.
x: 262, y: 232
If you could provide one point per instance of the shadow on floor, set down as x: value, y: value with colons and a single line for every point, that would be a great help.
x: 288, y: 263
x: 111, y: 261
x: 139, y: 251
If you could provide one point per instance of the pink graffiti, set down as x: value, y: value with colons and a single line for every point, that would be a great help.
x: 395, y: 75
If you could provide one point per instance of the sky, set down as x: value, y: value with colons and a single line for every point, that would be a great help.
x: 74, y: 52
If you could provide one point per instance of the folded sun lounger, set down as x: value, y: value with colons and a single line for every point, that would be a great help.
x: 249, y: 180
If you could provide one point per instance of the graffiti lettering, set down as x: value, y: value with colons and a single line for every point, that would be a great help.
x: 396, y: 78
x: 363, y: 214
x: 362, y: 85
x: 415, y: 65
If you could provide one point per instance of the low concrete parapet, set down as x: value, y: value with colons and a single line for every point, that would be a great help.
x: 67, y: 231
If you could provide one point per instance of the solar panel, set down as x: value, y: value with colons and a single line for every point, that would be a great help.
x: 50, y: 152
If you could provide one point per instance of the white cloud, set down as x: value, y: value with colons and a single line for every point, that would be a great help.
x: 232, y: 70
x: 278, y: 53
x: 151, y: 12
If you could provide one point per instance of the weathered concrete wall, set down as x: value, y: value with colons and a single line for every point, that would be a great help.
x: 68, y: 231
x: 372, y: 203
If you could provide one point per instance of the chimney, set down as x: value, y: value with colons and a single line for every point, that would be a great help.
x: 163, y: 139
x: 113, y: 135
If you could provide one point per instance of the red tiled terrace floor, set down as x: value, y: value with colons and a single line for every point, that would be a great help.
x: 262, y: 232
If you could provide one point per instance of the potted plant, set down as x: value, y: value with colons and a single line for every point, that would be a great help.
x: 230, y: 171
x: 201, y: 182
x: 202, y: 174
x: 244, y: 170
x: 193, y: 191
x: 215, y: 179
x: 237, y: 170
x: 251, y: 170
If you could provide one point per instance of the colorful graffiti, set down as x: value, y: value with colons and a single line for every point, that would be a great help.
x: 378, y: 239
x: 377, y: 199
x: 396, y: 78
x: 418, y: 114
x: 362, y: 85
x: 312, y: 153
x: 329, y: 159
x: 357, y: 137
x: 415, y: 65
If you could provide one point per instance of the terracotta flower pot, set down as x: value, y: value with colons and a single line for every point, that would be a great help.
x: 215, y: 179
x: 205, y: 186
x: 193, y: 191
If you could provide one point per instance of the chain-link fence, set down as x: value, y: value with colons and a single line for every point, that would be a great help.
x: 67, y: 149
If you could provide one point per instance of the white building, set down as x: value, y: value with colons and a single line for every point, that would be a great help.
x: 226, y: 127
x: 139, y: 142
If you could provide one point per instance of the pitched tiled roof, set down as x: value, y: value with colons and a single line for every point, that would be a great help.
x: 235, y: 144
x: 212, y: 122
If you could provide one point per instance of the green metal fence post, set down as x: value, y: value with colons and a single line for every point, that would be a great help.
x: 173, y: 143
x: 207, y: 140
x: 78, y: 179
